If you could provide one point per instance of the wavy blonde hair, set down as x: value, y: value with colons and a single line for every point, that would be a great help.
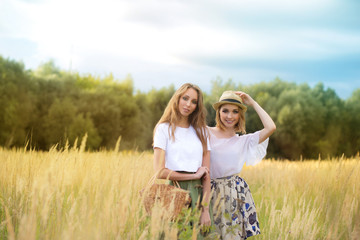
x: 197, y: 118
x: 239, y: 126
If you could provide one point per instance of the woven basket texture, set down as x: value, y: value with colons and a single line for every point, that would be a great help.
x: 172, y: 199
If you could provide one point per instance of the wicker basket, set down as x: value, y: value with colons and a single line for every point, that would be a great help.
x: 171, y: 198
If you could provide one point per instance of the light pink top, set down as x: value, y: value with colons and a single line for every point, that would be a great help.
x: 228, y: 155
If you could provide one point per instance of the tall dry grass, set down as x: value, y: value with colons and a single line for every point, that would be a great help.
x: 307, y: 199
x: 74, y: 194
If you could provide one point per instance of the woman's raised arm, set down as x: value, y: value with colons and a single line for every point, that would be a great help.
x: 268, y: 123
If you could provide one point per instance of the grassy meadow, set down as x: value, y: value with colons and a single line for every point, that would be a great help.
x: 74, y: 194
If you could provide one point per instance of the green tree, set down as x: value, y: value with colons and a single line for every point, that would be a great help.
x: 16, y: 103
x: 64, y: 123
x: 300, y: 120
x: 49, y: 106
x: 329, y: 142
x: 113, y: 110
x: 351, y: 137
x: 82, y: 125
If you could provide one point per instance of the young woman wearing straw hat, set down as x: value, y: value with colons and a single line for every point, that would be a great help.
x: 181, y: 147
x: 233, y: 205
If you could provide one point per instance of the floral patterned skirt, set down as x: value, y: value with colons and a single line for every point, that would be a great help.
x: 234, y: 208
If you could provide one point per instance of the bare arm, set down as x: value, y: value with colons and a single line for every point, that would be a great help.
x: 205, y: 214
x: 206, y: 178
x: 164, y: 173
x: 269, y: 125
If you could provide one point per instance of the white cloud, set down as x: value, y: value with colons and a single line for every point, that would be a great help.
x: 120, y: 28
x: 180, y: 38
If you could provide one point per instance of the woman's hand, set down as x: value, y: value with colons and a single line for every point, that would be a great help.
x: 205, y: 220
x: 202, y: 171
x: 269, y: 125
x: 247, y: 100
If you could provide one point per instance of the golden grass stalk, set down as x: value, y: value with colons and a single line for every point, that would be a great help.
x: 74, y: 194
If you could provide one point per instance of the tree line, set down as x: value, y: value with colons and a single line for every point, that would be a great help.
x: 48, y: 106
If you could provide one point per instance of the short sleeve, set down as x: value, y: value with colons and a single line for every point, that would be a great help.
x: 208, y: 143
x: 161, y: 136
x: 208, y: 138
x: 255, y: 152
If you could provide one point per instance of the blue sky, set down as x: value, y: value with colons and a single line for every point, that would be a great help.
x: 159, y: 42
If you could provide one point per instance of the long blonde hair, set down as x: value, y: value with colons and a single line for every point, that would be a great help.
x: 197, y: 118
x: 239, y: 126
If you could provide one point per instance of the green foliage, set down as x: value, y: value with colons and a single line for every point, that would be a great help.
x: 64, y: 123
x: 48, y: 71
x: 352, y: 121
x: 49, y: 106
x: 15, y: 103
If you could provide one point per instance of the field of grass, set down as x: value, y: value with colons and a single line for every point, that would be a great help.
x: 74, y: 194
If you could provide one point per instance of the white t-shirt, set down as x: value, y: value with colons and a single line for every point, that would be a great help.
x: 228, y: 155
x: 183, y: 154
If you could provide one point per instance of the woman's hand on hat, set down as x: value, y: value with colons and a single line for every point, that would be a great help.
x: 247, y: 100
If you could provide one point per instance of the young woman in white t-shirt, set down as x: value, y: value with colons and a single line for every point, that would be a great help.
x: 233, y: 205
x: 181, y: 148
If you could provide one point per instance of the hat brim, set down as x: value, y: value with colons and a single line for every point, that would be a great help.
x: 218, y: 104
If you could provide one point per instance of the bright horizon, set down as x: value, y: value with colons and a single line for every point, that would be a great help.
x: 171, y: 42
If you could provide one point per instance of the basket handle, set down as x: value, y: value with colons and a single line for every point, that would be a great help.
x: 176, y: 183
x: 153, y: 178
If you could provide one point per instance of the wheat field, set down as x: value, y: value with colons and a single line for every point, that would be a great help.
x: 74, y: 194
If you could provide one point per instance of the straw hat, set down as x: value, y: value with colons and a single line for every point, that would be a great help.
x: 230, y: 97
